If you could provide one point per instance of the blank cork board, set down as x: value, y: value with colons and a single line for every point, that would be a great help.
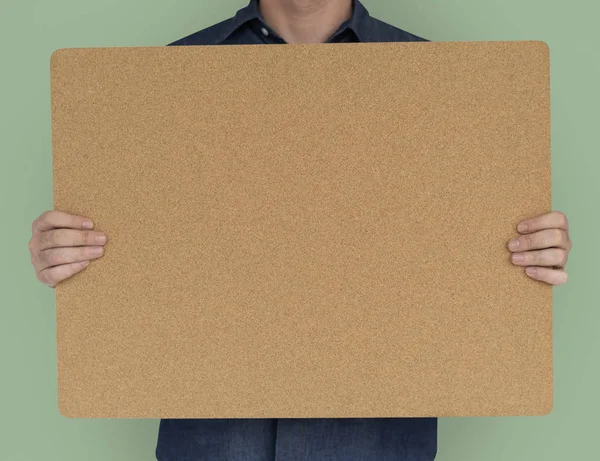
x: 303, y: 230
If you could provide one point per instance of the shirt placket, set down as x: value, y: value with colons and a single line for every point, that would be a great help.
x: 291, y: 440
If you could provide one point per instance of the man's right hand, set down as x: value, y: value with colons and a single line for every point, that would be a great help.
x: 62, y: 245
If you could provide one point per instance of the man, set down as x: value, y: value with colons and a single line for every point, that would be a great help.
x: 63, y: 245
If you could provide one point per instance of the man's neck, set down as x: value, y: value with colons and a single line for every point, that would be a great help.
x: 305, y: 21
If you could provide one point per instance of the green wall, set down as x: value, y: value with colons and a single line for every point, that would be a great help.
x: 31, y: 429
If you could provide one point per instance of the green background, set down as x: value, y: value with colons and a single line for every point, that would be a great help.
x: 31, y: 427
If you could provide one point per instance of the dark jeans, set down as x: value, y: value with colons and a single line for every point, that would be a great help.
x: 395, y: 439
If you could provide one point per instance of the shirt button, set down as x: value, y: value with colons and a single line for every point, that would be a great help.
x: 265, y: 32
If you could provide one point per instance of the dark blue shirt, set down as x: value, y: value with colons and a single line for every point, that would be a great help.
x: 354, y: 439
x: 247, y: 27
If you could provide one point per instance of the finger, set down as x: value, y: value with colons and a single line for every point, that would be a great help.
x: 544, y: 274
x: 549, y: 238
x: 59, y: 219
x: 70, y: 238
x: 58, y: 256
x: 53, y: 275
x: 554, y: 220
x: 551, y: 257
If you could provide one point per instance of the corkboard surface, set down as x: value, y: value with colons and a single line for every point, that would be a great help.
x: 303, y: 230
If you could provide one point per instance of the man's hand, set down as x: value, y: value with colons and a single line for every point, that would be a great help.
x: 543, y: 247
x: 62, y: 245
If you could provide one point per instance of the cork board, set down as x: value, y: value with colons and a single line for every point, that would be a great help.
x: 303, y: 230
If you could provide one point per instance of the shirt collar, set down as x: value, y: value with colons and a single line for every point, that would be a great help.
x: 358, y: 22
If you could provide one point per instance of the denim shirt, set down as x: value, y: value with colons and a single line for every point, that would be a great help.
x: 352, y: 439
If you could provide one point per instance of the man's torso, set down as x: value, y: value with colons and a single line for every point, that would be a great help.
x: 360, y: 439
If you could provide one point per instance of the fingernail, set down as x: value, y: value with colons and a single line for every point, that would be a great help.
x: 522, y: 227
x: 84, y: 263
x: 513, y: 244
x: 518, y: 258
x: 88, y: 224
x: 101, y: 239
x: 531, y: 270
x: 97, y: 251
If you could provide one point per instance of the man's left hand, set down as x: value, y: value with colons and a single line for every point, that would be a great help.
x: 543, y: 247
